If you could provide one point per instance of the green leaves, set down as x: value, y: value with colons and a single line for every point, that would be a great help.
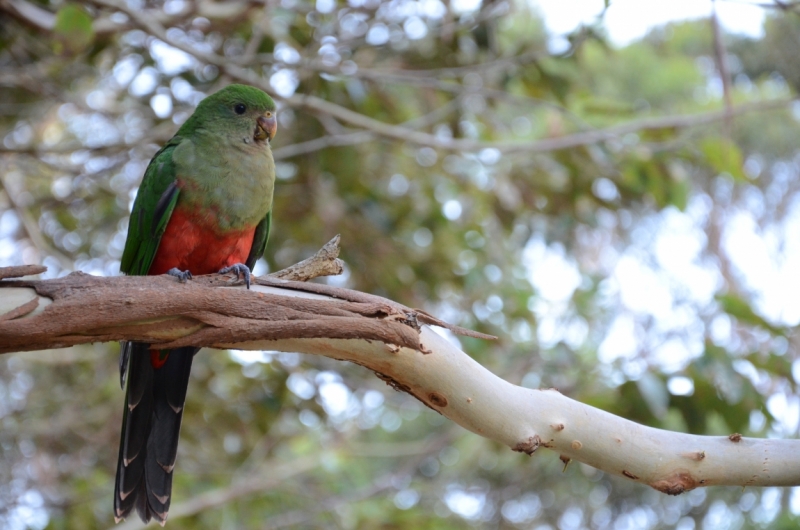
x: 73, y: 31
x: 724, y: 156
x: 741, y: 309
x: 653, y: 177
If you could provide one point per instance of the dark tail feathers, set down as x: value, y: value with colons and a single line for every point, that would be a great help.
x: 151, y: 425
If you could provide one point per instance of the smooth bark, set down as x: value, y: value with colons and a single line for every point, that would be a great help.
x: 397, y: 344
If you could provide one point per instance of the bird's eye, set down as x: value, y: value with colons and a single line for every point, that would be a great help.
x: 240, y: 108
x: 269, y: 114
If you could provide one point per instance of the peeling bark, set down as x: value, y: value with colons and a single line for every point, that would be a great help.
x: 206, y: 311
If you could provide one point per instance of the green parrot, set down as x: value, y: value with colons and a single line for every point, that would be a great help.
x: 204, y: 206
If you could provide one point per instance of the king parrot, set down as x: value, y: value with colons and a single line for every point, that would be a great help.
x: 204, y: 206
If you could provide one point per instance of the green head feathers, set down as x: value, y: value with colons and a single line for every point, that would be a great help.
x: 231, y: 95
x: 235, y: 107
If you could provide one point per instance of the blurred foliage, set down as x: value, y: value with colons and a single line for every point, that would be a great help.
x: 610, y: 270
x: 73, y: 31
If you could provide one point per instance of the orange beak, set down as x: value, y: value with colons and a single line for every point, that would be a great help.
x: 267, y: 124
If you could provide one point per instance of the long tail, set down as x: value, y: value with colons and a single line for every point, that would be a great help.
x: 150, y: 428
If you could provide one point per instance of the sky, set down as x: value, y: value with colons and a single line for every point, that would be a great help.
x: 628, y: 20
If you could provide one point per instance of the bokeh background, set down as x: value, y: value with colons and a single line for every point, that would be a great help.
x: 612, y: 192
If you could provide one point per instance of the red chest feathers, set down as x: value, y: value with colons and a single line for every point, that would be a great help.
x: 198, y: 249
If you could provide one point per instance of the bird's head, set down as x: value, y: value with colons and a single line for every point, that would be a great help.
x: 240, y: 111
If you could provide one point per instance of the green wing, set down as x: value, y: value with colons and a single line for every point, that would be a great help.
x: 260, y: 239
x: 152, y: 209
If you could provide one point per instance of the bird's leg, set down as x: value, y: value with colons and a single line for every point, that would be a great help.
x: 181, y: 275
x: 241, y: 270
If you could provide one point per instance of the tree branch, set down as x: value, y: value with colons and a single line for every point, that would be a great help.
x: 352, y: 138
x: 392, y: 341
x: 324, y: 263
x: 257, y: 483
x: 538, y: 146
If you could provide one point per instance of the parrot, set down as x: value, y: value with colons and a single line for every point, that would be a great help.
x: 204, y: 206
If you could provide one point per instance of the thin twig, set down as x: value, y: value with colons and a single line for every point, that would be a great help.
x: 254, y: 484
x: 353, y: 138
x: 721, y: 57
x: 457, y: 88
x: 537, y: 146
x: 378, y: 485
x: 32, y: 229
x: 304, y: 515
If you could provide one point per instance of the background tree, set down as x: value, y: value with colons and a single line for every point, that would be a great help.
x: 612, y: 214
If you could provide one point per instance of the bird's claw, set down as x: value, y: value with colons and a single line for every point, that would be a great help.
x: 181, y: 275
x: 241, y: 270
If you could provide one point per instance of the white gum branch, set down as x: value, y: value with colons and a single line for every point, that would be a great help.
x: 409, y: 357
x: 453, y: 384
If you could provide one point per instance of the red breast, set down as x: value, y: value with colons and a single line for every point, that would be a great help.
x: 188, y: 245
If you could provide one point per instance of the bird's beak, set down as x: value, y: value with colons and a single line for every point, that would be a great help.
x: 266, y: 126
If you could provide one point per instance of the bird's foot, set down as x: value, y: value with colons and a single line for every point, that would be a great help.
x: 241, y: 270
x: 181, y: 275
